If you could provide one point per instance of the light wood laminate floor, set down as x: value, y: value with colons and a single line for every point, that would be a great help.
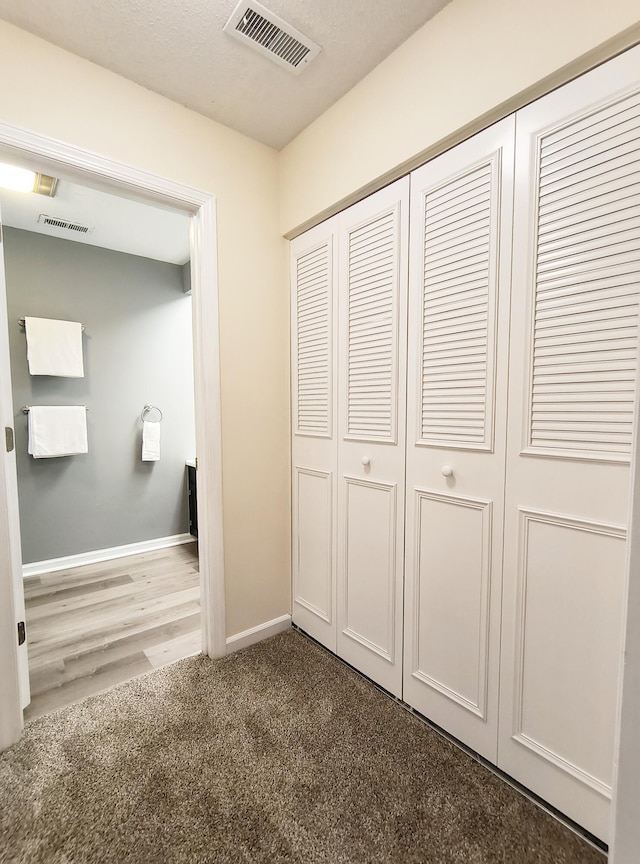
x: 92, y: 627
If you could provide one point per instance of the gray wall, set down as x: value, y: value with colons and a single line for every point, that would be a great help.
x: 137, y: 350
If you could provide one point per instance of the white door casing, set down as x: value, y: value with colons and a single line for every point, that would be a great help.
x: 461, y: 213
x: 10, y: 520
x: 314, y: 442
x: 372, y: 317
x: 572, y: 390
x: 67, y: 162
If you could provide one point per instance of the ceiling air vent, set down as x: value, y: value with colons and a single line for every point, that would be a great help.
x: 63, y: 224
x: 267, y: 33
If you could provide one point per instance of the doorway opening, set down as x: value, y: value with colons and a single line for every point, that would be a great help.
x: 97, y: 173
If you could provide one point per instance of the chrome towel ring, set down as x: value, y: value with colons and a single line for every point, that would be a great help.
x: 147, y: 410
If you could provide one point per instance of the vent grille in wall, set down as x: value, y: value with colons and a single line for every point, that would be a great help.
x: 270, y: 35
x: 63, y: 224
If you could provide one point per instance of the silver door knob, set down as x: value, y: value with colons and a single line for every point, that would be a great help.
x: 366, y: 461
x: 446, y: 471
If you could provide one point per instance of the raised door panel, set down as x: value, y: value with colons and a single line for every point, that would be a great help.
x: 564, y: 671
x: 314, y: 445
x: 572, y: 393
x: 456, y: 415
x: 372, y: 361
x: 313, y: 542
x: 370, y: 572
x: 451, y: 591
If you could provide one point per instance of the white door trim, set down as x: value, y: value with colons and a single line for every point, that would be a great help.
x: 81, y: 166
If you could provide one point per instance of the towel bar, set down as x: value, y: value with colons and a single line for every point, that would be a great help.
x: 27, y: 408
x: 148, y: 408
x: 21, y: 323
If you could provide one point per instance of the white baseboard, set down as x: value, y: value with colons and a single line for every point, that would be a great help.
x: 83, y: 558
x: 257, y: 634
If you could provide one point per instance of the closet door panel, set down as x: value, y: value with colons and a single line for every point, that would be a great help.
x: 451, y: 596
x: 314, y: 443
x: 560, y: 580
x: 370, y: 571
x: 572, y: 395
x: 313, y: 541
x: 372, y: 394
x: 456, y: 415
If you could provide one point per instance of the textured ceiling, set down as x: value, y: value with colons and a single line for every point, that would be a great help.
x: 178, y: 49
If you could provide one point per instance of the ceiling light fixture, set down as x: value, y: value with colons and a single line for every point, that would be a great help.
x: 16, y: 179
x: 22, y: 180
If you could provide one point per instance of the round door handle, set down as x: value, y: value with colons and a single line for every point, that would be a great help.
x: 446, y: 471
x: 366, y: 461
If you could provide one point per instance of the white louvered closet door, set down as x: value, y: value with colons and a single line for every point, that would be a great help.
x: 372, y: 372
x: 314, y: 445
x: 572, y: 389
x: 457, y: 379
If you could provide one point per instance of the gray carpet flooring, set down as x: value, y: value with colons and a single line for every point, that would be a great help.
x: 278, y: 753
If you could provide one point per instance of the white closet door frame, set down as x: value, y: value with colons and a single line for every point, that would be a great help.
x: 459, y: 289
x: 371, y: 423
x: 567, y: 502
x: 314, y: 264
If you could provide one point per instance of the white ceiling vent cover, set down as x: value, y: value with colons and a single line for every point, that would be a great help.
x: 63, y: 224
x: 267, y: 33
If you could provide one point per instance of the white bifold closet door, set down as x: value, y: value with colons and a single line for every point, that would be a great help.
x: 373, y: 241
x: 314, y: 444
x: 572, y: 378
x: 456, y: 416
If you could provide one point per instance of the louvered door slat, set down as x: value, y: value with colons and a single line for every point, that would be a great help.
x: 458, y: 309
x: 596, y: 237
x: 618, y: 276
x: 372, y: 277
x: 466, y: 236
x: 586, y: 299
x: 605, y: 140
x: 606, y: 119
x: 611, y: 213
x: 621, y: 274
x: 611, y: 180
x: 313, y: 342
x: 463, y: 217
x: 574, y: 211
x: 364, y: 269
x: 580, y: 166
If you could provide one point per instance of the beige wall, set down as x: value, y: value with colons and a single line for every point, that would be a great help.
x: 473, y: 56
x: 54, y: 93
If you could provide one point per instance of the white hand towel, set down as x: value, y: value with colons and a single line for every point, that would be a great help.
x: 150, y: 441
x: 54, y: 347
x: 57, y: 430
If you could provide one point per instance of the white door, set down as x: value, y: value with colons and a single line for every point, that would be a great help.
x: 572, y: 378
x: 371, y: 408
x: 11, y: 554
x: 456, y: 414
x: 314, y: 445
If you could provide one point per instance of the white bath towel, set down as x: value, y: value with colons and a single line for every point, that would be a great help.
x: 54, y: 347
x: 57, y: 430
x: 150, y: 441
